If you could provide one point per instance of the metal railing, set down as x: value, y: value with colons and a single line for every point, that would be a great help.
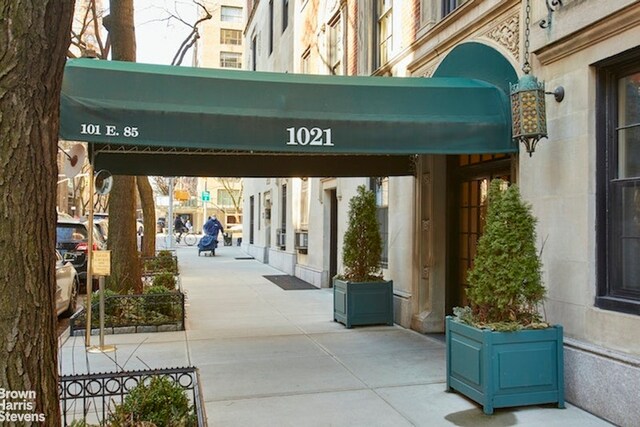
x: 135, y: 311
x: 92, y: 397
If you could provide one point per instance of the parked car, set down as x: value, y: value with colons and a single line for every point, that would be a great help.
x: 67, y: 284
x: 102, y: 224
x: 72, y: 242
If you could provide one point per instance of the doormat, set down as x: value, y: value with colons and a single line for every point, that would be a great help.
x: 289, y: 283
x: 245, y: 257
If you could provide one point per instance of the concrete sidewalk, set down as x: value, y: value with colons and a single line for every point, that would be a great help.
x: 269, y: 357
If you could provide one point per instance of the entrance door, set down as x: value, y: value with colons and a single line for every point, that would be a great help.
x: 469, y: 178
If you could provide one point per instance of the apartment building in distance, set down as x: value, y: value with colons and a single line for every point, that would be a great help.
x: 582, y: 181
x: 221, y: 43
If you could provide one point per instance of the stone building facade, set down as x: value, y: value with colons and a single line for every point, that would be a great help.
x: 582, y: 181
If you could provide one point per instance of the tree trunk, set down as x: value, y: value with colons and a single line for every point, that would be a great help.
x: 34, y: 37
x: 125, y: 271
x: 149, y: 214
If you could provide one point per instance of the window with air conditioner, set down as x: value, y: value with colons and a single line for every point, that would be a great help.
x: 230, y: 60
x: 301, y: 241
x: 281, y: 238
x: 233, y: 37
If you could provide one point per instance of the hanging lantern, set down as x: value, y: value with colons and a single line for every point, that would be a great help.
x: 528, y: 112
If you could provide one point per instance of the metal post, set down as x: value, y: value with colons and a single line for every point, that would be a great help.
x: 170, y: 240
x: 204, y: 204
x: 101, y: 311
x: 89, y: 256
x: 90, y: 226
x: 102, y: 348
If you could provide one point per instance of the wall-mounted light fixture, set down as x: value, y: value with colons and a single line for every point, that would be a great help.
x: 552, y: 6
x: 528, y: 106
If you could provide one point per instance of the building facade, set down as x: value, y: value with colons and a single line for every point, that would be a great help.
x: 581, y: 181
x: 221, y: 43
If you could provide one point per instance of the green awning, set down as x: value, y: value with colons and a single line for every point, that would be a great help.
x: 156, y: 107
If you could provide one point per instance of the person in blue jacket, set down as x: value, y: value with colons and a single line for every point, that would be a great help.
x: 212, y: 227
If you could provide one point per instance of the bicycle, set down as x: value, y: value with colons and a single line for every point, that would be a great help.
x: 189, y: 238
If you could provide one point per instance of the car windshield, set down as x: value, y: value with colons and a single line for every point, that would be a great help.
x: 71, y: 233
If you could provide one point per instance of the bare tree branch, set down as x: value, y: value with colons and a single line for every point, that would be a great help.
x: 193, y: 37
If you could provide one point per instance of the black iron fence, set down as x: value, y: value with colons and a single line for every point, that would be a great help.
x: 92, y: 397
x: 134, y: 313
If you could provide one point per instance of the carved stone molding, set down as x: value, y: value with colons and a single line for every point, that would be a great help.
x: 429, y: 72
x: 507, y: 34
x: 625, y: 19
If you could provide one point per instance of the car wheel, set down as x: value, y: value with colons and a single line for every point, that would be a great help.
x: 73, y: 300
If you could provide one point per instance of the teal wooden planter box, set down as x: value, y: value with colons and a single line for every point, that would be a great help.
x: 363, y: 303
x: 503, y: 369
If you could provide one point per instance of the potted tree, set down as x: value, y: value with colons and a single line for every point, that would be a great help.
x: 499, y: 351
x: 361, y: 296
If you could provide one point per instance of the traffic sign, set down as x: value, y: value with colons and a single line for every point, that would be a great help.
x: 206, y: 196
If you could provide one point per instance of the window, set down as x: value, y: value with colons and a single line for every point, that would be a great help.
x: 335, y: 46
x: 234, y: 219
x: 259, y: 208
x: 285, y: 14
x: 618, y: 179
x: 254, y: 53
x: 304, y: 204
x: 282, y: 243
x: 225, y: 198
x: 380, y: 187
x: 385, y: 31
x: 252, y: 216
x: 230, y: 36
x: 449, y: 6
x: 283, y: 208
x: 231, y: 14
x: 270, y: 26
x: 230, y: 60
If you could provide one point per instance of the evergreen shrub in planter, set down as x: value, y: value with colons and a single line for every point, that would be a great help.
x: 361, y: 296
x: 499, y: 351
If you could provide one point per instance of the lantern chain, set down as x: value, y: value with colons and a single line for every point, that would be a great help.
x: 526, y: 67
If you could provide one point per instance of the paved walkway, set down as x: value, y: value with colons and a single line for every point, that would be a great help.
x: 269, y: 357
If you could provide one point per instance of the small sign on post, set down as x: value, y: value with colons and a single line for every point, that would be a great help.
x: 206, y: 196
x: 101, y: 265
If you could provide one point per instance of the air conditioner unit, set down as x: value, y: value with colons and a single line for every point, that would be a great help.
x: 301, y: 242
x: 281, y: 238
